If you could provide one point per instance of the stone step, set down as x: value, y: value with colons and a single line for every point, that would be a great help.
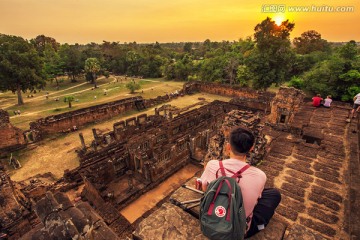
x: 299, y: 232
x: 169, y: 222
x: 172, y: 222
x: 275, y: 230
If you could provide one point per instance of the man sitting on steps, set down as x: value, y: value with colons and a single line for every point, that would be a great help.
x: 259, y: 203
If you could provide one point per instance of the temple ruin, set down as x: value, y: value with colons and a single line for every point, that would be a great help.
x: 14, y: 136
x: 310, y: 154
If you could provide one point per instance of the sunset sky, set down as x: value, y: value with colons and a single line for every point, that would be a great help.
x: 85, y: 21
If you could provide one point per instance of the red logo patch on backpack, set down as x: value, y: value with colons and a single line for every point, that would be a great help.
x: 220, y: 211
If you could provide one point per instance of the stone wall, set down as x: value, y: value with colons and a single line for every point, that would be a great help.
x: 10, y: 136
x: 69, y: 121
x: 66, y: 121
x: 246, y: 97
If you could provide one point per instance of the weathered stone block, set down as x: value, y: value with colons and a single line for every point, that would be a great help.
x: 169, y: 222
x: 318, y: 226
x: 300, y: 232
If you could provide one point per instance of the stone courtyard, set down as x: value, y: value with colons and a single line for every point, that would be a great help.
x: 310, y: 154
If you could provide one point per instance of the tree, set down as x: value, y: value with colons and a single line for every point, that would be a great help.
x: 331, y: 77
x: 243, y: 75
x: 53, y: 67
x: 69, y: 99
x: 20, y: 66
x: 303, y: 63
x: 349, y: 50
x: 271, y: 60
x: 169, y: 70
x: 133, y: 86
x: 70, y: 57
x: 134, y: 61
x: 212, y: 69
x: 352, y: 78
x: 92, y: 66
x: 188, y: 47
x: 310, y: 41
x: 231, y: 66
x: 41, y: 41
x: 296, y: 82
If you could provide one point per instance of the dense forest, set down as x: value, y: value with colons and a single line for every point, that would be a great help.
x: 267, y: 58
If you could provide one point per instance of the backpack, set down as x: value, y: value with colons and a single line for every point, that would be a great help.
x: 222, y: 212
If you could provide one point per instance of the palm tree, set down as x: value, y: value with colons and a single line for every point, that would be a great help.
x: 92, y: 66
x: 69, y: 99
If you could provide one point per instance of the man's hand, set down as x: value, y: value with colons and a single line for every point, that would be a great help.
x: 204, y: 186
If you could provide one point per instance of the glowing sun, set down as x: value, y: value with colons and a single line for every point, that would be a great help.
x: 278, y: 20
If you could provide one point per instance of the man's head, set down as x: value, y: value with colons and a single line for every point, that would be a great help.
x: 241, y: 141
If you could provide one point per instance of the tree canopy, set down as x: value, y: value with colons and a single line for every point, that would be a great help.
x: 267, y: 58
x: 310, y: 41
x: 21, y: 68
x: 271, y: 60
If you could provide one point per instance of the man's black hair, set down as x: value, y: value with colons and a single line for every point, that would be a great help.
x: 241, y: 140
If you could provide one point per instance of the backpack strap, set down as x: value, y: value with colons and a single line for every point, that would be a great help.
x: 235, y: 174
x: 221, y: 168
x: 238, y: 173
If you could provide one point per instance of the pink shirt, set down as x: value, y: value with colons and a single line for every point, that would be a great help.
x: 252, y: 182
x: 327, y: 102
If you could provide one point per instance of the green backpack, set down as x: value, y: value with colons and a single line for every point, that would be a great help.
x: 222, y: 213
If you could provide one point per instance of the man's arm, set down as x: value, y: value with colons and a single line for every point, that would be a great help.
x: 205, y: 176
x: 204, y: 186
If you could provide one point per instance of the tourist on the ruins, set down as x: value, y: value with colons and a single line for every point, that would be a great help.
x: 317, y: 100
x: 327, y: 101
x: 259, y: 203
x: 356, y: 106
